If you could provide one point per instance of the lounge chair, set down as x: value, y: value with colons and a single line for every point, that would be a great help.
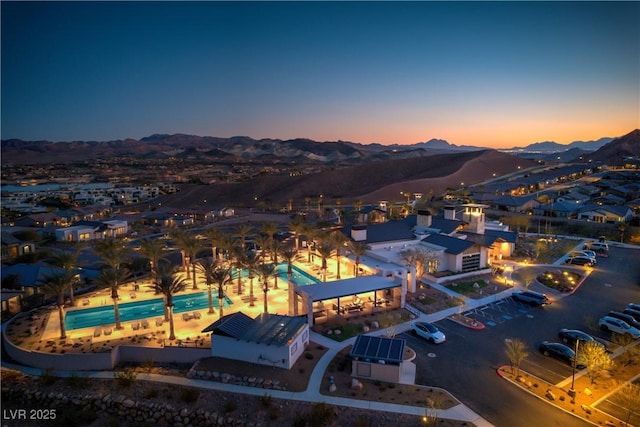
x: 186, y: 316
x: 135, y: 326
x: 196, y: 315
x: 107, y: 331
x: 97, y: 332
x: 159, y: 322
x: 145, y: 324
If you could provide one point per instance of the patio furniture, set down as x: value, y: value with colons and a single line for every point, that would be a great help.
x: 145, y: 324
x: 85, y: 302
x: 186, y: 316
x: 107, y: 331
x: 159, y: 322
x: 97, y: 332
x: 135, y: 326
x: 196, y: 315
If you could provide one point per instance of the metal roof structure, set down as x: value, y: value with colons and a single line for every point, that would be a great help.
x: 347, y: 287
x: 269, y: 329
x: 375, y: 349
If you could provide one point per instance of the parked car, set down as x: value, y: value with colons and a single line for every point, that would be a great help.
x: 596, y: 246
x: 633, y: 312
x: 559, y: 351
x: 608, y: 323
x: 580, y: 260
x: 428, y: 331
x: 587, y: 254
x: 631, y: 320
x: 531, y: 297
x: 633, y: 306
x: 570, y: 336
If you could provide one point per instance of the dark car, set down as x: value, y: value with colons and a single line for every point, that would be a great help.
x: 531, y: 297
x: 559, y: 351
x: 632, y: 312
x: 580, y: 260
x: 631, y: 320
x: 570, y: 336
x: 633, y: 306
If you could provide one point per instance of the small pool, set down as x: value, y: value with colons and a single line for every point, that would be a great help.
x: 104, y: 315
x: 298, y: 276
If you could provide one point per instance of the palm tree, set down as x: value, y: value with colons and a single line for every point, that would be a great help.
x: 207, y: 266
x: 190, y: 246
x: 222, y: 277
x: 251, y: 262
x: 289, y: 254
x: 112, y: 251
x: 324, y: 250
x: 311, y: 232
x: 169, y: 285
x: 276, y: 247
x: 112, y: 278
x: 68, y: 261
x: 297, y: 227
x: 264, y: 243
x: 165, y: 268
x: 242, y: 231
x: 264, y: 272
x: 215, y: 236
x: 56, y: 284
x: 338, y: 239
x: 153, y: 249
x: 239, y: 257
x: 358, y: 249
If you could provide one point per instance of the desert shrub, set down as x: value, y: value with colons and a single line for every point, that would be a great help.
x: 321, y: 415
x: 151, y: 393
x: 48, y: 377
x: 265, y: 400
x: 189, y: 395
x: 230, y: 406
x: 77, y: 381
x: 125, y: 378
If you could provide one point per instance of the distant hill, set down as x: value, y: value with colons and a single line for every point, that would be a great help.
x: 160, y: 146
x: 617, y: 151
x: 540, y: 150
x: 383, y: 180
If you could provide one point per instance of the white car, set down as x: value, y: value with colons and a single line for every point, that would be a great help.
x: 585, y: 254
x: 428, y: 331
x: 608, y: 323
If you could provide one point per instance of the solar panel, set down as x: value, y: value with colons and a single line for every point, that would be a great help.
x: 377, y: 348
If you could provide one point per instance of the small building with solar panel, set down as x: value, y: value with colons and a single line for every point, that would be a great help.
x: 269, y: 339
x: 383, y: 359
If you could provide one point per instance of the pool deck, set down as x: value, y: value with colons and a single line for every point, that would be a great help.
x: 157, y: 333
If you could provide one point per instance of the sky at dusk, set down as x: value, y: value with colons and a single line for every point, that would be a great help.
x: 490, y: 74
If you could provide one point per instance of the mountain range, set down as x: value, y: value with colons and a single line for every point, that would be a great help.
x: 245, y: 149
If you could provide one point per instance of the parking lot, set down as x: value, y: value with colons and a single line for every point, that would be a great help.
x: 466, y: 363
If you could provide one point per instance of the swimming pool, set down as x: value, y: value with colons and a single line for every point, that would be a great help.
x: 104, y: 315
x: 298, y: 276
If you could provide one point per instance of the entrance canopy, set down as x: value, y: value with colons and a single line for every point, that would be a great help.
x: 347, y: 287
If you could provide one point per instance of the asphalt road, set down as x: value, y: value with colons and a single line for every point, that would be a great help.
x: 466, y: 363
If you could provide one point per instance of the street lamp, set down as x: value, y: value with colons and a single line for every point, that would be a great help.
x: 572, y: 390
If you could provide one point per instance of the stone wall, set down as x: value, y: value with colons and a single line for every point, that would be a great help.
x: 126, y: 410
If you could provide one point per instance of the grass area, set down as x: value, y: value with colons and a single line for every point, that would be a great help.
x: 343, y: 329
x: 468, y: 287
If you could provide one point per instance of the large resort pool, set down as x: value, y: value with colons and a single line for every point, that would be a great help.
x: 146, y: 309
x: 104, y: 315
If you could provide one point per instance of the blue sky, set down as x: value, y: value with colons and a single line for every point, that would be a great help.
x: 476, y: 73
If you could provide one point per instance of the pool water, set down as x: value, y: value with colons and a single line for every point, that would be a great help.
x: 298, y: 276
x: 145, y: 309
x: 104, y: 315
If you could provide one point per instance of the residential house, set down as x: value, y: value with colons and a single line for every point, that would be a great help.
x: 606, y: 214
x: 12, y: 247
